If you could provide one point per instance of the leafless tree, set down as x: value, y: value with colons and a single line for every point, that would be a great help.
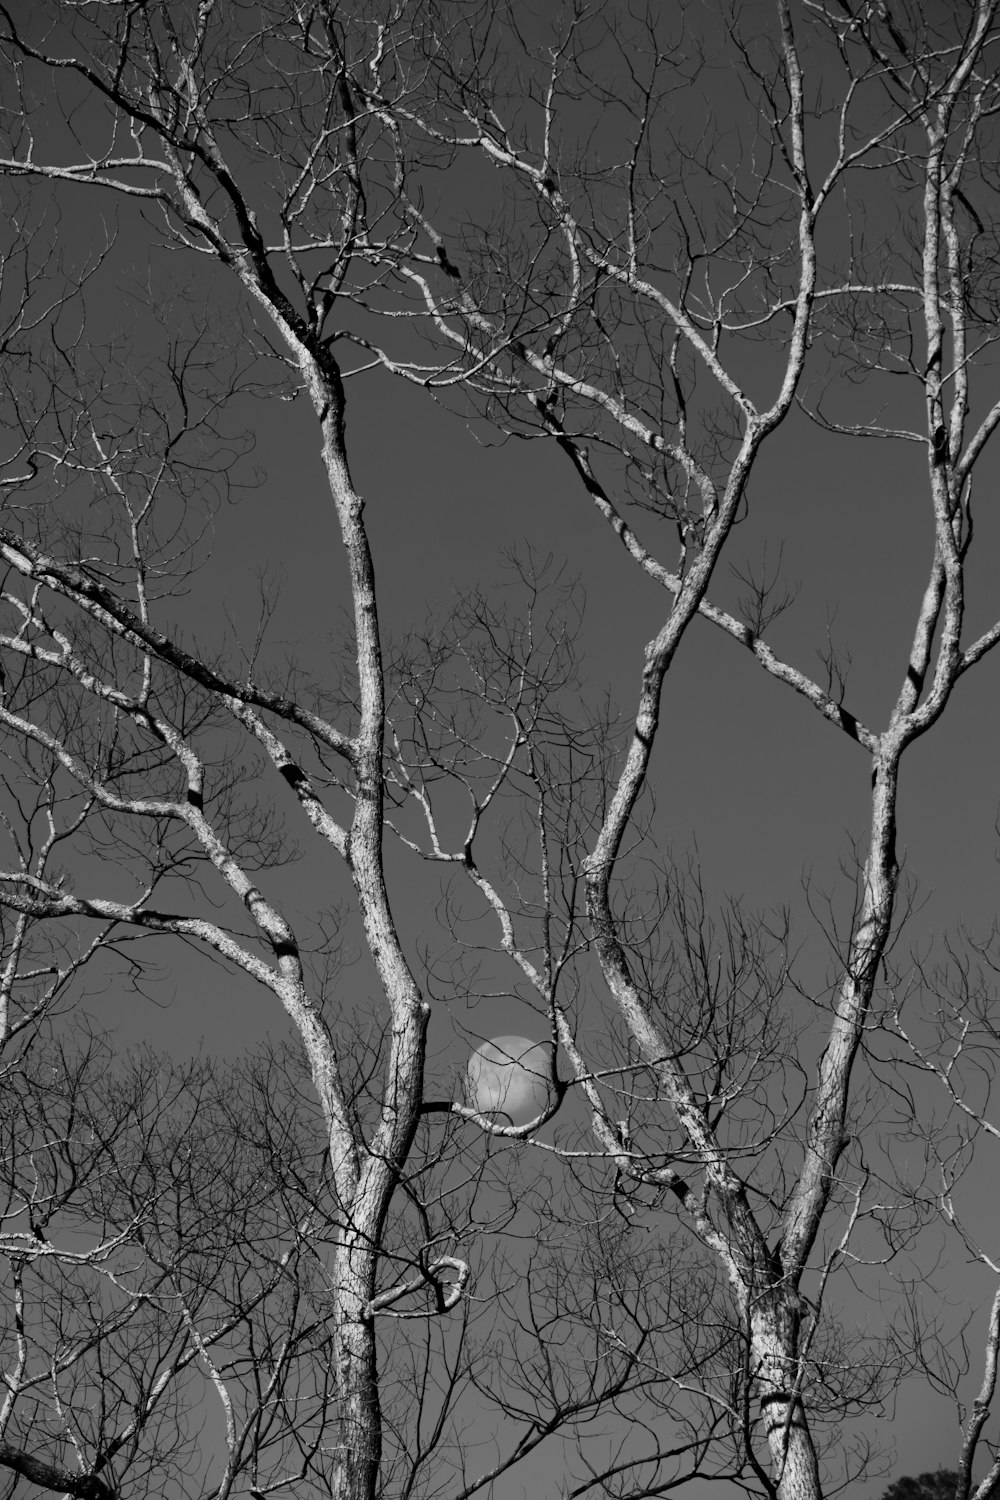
x: 628, y: 291
x: 944, y: 1016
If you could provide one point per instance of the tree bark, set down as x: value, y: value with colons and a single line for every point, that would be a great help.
x: 357, y: 1449
x: 52, y: 1477
x: 774, y: 1338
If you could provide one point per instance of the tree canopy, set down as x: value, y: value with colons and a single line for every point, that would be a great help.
x: 704, y: 267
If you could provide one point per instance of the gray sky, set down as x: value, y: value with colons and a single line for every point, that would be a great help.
x: 745, y: 773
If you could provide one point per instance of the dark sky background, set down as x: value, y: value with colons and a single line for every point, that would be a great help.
x: 747, y: 774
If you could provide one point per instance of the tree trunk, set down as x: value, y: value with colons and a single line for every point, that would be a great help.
x: 774, y: 1333
x: 357, y: 1445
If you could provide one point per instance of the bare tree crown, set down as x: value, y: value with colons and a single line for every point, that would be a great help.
x: 658, y: 243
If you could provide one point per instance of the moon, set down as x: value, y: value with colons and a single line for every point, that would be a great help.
x: 510, y: 1076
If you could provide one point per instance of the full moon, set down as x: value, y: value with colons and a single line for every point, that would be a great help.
x: 510, y: 1076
